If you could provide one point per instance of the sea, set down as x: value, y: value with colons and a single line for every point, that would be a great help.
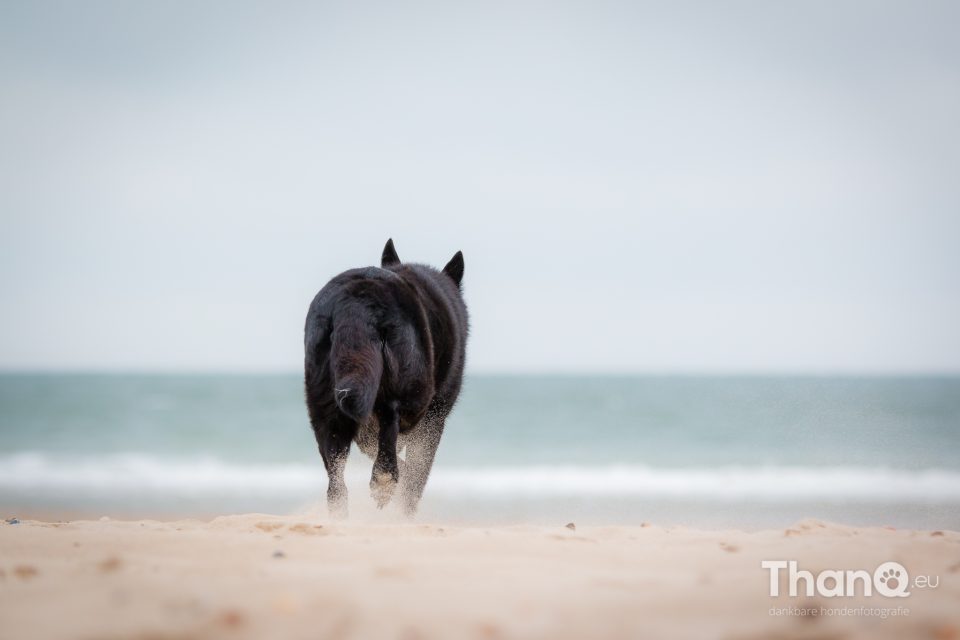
x: 703, y: 451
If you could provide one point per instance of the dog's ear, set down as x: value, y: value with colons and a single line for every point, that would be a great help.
x: 454, y: 268
x: 389, y: 256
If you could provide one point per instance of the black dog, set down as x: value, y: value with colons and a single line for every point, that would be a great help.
x: 384, y: 356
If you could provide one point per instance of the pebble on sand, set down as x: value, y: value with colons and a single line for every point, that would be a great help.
x: 571, y: 526
x: 25, y: 571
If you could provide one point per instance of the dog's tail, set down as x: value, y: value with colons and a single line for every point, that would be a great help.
x: 357, y: 362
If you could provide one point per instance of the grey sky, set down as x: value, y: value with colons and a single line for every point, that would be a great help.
x: 763, y: 186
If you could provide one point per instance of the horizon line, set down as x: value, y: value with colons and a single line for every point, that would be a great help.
x: 559, y: 373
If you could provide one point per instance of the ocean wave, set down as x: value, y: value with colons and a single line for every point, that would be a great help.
x: 130, y: 474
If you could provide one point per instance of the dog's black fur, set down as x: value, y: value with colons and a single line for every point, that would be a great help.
x: 384, y: 351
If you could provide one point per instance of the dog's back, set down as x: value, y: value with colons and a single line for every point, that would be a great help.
x: 446, y: 312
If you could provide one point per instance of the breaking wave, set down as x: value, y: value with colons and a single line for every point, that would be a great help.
x: 125, y: 475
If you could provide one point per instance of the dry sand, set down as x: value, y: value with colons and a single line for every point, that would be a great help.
x: 257, y: 576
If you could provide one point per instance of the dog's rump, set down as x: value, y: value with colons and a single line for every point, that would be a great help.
x: 356, y: 343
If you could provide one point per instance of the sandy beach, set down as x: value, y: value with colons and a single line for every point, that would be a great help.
x: 261, y: 576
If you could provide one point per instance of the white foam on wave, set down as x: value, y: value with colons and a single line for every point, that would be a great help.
x: 130, y: 474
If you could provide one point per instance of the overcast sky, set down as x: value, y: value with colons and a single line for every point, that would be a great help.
x: 689, y: 187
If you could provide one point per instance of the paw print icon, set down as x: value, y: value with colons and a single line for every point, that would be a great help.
x: 891, y: 580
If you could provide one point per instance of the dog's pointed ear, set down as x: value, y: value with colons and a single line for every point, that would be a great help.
x: 389, y: 256
x: 454, y: 268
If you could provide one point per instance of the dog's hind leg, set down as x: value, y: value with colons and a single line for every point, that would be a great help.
x: 334, y: 448
x: 386, y: 471
x: 421, y: 451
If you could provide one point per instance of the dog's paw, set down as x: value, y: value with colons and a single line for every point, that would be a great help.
x: 337, y: 509
x: 382, y: 486
x: 337, y: 502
